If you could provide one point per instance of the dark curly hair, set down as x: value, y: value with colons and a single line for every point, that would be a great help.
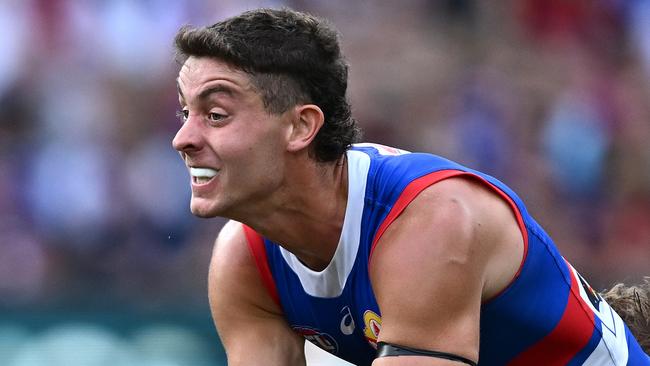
x: 292, y: 58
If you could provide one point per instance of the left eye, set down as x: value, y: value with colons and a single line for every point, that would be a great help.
x: 215, y: 116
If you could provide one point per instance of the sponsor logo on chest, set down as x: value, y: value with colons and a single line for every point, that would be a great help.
x: 320, y: 339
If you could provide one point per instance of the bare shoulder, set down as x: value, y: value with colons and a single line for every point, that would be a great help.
x: 462, y: 215
x: 468, y: 219
x: 244, y: 313
x: 439, y: 260
x: 233, y: 275
x: 230, y: 247
x: 498, y: 239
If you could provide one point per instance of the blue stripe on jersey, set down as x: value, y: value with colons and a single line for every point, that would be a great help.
x: 636, y: 355
x: 527, y: 311
x: 582, y: 356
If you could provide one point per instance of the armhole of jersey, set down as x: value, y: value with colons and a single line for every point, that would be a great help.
x: 258, y: 251
x: 418, y: 185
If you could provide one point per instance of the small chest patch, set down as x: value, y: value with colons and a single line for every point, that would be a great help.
x: 320, y: 339
x: 372, y: 327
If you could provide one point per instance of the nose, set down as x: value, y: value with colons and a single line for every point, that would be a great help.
x: 188, y: 137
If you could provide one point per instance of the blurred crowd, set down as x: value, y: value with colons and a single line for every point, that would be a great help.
x: 552, y: 97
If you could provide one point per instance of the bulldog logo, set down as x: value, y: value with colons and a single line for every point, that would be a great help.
x: 372, y: 327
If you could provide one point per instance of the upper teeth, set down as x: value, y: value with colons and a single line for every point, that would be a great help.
x: 203, y: 172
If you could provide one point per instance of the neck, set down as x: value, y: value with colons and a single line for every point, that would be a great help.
x: 306, y: 214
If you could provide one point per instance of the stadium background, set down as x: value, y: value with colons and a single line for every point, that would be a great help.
x: 101, y: 262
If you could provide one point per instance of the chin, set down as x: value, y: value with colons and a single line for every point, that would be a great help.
x: 203, y: 214
x: 203, y: 209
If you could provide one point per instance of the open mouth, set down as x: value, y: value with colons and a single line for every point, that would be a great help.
x: 202, y: 175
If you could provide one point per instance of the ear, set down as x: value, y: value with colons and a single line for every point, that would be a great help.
x: 306, y: 122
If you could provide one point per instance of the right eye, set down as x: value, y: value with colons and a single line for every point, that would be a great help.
x: 183, y: 115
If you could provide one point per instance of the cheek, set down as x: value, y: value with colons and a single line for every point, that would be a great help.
x: 248, y: 165
x: 253, y: 152
x: 264, y: 164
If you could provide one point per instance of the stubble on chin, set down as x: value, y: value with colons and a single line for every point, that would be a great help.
x: 200, y: 209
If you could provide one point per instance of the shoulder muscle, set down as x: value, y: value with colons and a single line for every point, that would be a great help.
x: 441, y: 247
x: 233, y: 275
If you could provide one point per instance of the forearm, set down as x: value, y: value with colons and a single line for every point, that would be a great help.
x: 266, y: 346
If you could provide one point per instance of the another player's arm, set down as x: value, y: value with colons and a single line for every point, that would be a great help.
x: 434, y: 265
x: 250, y: 324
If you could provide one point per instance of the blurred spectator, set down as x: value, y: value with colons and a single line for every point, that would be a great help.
x: 15, y: 18
x: 576, y: 143
x: 639, y: 28
x: 483, y: 136
x: 23, y: 264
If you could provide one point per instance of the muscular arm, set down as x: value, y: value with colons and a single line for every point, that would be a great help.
x: 455, y: 245
x: 250, y: 324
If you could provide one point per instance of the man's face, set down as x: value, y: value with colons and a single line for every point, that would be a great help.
x: 232, y: 146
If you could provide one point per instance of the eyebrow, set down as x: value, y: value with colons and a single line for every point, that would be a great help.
x: 217, y: 89
x: 223, y: 89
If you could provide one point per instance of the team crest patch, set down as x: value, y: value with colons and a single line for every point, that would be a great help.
x: 320, y: 339
x: 372, y: 327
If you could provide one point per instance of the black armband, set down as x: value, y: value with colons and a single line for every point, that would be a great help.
x: 387, y: 350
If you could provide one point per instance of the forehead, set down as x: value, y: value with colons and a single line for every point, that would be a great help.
x: 197, y: 73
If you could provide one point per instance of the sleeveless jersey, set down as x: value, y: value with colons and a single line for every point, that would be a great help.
x: 548, y: 315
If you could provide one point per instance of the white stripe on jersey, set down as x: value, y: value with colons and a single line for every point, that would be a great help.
x: 613, y: 346
x: 330, y: 282
x: 599, y: 357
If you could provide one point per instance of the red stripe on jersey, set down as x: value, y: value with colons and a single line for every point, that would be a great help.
x: 571, y: 334
x: 418, y: 185
x: 258, y: 251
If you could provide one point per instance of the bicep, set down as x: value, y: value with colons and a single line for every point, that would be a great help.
x: 428, y: 273
x: 250, y: 324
